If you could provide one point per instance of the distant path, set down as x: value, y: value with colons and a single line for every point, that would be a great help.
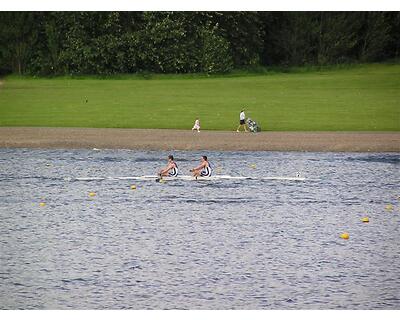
x: 157, y: 139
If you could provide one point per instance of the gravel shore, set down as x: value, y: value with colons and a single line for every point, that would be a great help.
x: 159, y: 139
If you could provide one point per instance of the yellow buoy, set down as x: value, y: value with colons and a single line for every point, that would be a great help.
x: 365, y: 219
x: 389, y: 207
x: 133, y: 187
x: 253, y: 166
x: 92, y: 194
x: 345, y: 236
x: 42, y: 204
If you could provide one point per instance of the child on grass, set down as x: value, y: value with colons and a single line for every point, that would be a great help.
x: 196, y: 125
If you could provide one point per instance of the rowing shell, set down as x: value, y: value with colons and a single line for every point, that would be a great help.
x: 189, y: 178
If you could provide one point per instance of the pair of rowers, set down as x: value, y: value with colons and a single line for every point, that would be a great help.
x: 171, y: 170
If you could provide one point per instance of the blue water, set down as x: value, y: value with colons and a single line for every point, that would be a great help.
x: 199, y: 245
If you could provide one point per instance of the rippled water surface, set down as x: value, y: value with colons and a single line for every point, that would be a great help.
x: 199, y: 245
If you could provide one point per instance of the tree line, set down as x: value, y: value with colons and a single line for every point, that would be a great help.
x: 105, y: 43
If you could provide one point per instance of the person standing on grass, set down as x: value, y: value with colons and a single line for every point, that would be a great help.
x: 196, y: 125
x: 242, y: 121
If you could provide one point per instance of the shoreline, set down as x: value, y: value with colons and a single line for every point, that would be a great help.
x: 170, y: 139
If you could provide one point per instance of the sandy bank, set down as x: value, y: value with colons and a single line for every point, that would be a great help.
x: 157, y: 139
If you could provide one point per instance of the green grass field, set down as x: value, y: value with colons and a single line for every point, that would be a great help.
x: 364, y: 97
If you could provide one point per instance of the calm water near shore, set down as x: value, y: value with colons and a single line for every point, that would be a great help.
x: 225, y: 244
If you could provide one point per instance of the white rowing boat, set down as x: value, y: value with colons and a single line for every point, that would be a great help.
x: 188, y: 178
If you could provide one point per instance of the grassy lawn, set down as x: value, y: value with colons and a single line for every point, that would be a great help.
x: 366, y: 97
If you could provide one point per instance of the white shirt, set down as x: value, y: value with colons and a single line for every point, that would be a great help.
x: 242, y: 116
x: 196, y: 124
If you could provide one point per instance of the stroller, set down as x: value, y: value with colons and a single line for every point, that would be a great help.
x: 253, y: 126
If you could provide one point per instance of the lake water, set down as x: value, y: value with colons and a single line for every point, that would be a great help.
x: 199, y: 245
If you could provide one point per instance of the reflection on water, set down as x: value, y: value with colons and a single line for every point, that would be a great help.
x: 198, y: 245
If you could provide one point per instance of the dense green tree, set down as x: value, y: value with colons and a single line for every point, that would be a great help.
x: 17, y: 36
x: 393, y: 46
x: 170, y: 43
x: 337, y: 37
x: 244, y: 32
x: 216, y: 57
x: 373, y: 35
x: 57, y: 43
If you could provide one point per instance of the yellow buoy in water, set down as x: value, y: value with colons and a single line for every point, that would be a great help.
x: 345, y: 236
x: 389, y: 207
x: 42, y: 204
x: 133, y: 187
x: 253, y: 166
x: 365, y: 219
x: 92, y: 194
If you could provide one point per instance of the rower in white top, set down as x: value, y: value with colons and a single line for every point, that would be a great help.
x: 171, y: 170
x: 202, y: 170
